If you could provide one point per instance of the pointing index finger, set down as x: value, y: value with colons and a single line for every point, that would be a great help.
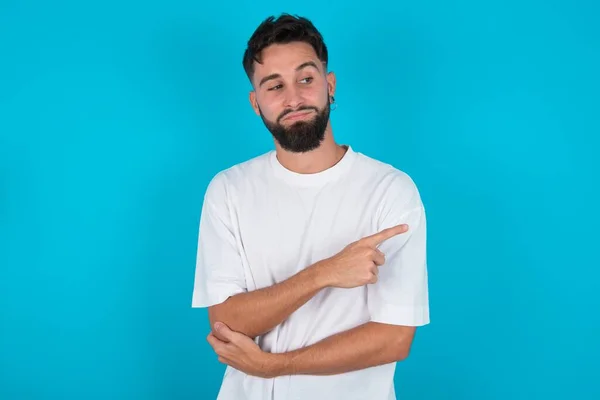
x: 382, y: 236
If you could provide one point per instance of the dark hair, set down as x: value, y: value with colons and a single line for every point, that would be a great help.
x: 285, y: 29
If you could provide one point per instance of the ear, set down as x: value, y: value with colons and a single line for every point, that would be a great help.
x: 331, y: 84
x: 253, y: 102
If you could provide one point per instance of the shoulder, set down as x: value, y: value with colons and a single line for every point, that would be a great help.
x: 394, y: 190
x: 234, y: 177
x: 397, y: 194
x: 393, y: 180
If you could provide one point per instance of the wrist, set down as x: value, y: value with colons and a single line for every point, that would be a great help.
x: 320, y: 274
x: 280, y: 365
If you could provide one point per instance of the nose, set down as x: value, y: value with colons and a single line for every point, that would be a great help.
x: 293, y: 98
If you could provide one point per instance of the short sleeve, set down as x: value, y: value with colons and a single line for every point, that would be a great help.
x: 400, y: 296
x: 219, y: 270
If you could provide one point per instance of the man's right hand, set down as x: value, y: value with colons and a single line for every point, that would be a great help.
x: 358, y: 264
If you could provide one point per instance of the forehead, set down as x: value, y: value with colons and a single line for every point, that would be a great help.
x: 284, y: 58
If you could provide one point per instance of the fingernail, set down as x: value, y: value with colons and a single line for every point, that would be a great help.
x: 218, y: 326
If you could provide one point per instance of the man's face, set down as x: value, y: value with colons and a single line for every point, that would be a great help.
x: 291, y: 95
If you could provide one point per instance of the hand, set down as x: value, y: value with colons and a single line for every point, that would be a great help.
x: 242, y: 353
x: 358, y: 264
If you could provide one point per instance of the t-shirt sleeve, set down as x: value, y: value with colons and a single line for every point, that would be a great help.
x: 400, y: 296
x: 219, y: 270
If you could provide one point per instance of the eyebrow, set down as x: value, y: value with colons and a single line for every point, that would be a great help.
x: 298, y: 68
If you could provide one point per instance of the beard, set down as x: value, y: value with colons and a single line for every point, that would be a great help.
x: 301, y: 136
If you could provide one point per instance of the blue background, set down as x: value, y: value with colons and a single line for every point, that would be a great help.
x: 114, y: 116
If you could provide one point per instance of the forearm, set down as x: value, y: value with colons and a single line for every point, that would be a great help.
x: 365, y: 346
x: 257, y: 312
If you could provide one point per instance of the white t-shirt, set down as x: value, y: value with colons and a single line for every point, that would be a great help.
x: 262, y: 223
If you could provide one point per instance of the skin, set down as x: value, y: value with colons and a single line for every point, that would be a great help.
x: 311, y: 85
x: 289, y: 77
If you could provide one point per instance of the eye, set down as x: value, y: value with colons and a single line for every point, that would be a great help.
x: 276, y: 87
x: 308, y: 79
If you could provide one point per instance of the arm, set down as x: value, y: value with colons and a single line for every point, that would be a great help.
x: 362, y: 347
x: 398, y: 303
x: 220, y: 283
x: 256, y: 313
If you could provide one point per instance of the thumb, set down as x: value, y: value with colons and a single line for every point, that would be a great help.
x: 223, y: 330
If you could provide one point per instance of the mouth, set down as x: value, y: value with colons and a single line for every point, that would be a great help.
x: 296, y: 115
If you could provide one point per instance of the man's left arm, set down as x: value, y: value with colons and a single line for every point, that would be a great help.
x: 398, y: 303
x: 362, y: 347
x: 365, y: 346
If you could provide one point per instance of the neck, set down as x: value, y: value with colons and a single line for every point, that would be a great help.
x: 323, y: 157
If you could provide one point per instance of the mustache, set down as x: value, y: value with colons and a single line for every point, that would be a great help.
x: 302, y: 108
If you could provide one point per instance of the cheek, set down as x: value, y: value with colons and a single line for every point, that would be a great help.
x: 270, y: 107
x: 314, y: 94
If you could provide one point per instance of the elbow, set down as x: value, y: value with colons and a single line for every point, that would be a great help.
x: 402, y: 352
x: 220, y: 313
x: 403, y: 345
x: 398, y: 341
x: 217, y: 314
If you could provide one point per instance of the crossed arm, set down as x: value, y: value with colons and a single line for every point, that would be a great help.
x: 250, y: 314
x: 257, y: 312
x: 362, y: 347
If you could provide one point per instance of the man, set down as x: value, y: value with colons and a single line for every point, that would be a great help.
x: 311, y: 258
